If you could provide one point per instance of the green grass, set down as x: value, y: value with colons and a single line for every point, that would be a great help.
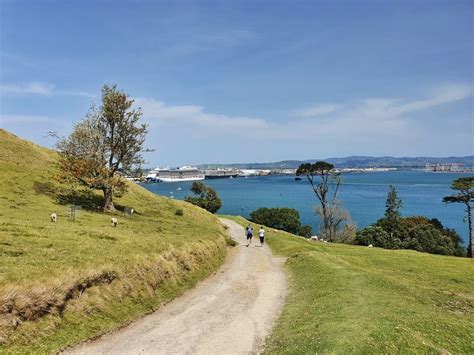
x: 352, y: 299
x: 64, y: 282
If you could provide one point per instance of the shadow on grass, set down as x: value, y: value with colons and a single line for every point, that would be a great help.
x: 85, y: 198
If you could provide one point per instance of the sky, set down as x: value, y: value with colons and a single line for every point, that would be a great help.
x: 247, y: 81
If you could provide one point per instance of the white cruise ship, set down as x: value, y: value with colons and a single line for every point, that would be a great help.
x: 185, y: 173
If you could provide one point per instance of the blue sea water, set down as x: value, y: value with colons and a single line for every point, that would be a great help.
x: 362, y: 194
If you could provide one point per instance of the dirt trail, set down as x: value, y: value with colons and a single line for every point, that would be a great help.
x: 230, y: 312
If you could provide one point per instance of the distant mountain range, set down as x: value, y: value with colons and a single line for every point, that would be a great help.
x: 355, y: 162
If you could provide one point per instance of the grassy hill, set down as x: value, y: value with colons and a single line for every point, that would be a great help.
x: 64, y: 282
x: 353, y: 299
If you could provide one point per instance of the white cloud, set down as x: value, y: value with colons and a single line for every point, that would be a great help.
x: 6, y: 120
x: 33, y: 88
x: 441, y: 95
x: 75, y: 93
x: 319, y: 110
x: 185, y: 116
x: 323, y: 124
x: 38, y: 88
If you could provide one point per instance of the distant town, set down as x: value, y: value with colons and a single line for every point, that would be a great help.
x: 191, y: 173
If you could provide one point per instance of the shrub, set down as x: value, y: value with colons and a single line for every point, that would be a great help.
x: 230, y: 242
x: 427, y: 238
x: 348, y: 233
x: 207, y: 197
x: 376, y: 236
x: 306, y: 231
x: 179, y: 212
x: 287, y: 219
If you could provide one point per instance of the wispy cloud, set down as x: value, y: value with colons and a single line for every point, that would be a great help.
x: 29, y: 120
x: 367, y: 119
x: 182, y: 116
x: 75, y: 93
x: 38, y: 88
x: 439, y: 96
x: 319, y: 110
x: 27, y: 89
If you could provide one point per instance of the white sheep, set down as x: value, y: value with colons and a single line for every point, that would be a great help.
x: 53, y: 217
x: 114, y: 222
x: 314, y: 237
x: 370, y: 246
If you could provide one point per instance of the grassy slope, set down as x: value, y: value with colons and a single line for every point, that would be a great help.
x: 61, y: 283
x: 355, y: 299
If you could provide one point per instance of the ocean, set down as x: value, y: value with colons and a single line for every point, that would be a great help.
x: 362, y: 194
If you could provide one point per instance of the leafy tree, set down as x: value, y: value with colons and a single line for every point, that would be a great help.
x: 325, y: 183
x: 418, y: 233
x: 104, y: 147
x: 287, y: 219
x: 465, y: 195
x: 206, y: 197
x: 376, y: 236
x: 427, y: 238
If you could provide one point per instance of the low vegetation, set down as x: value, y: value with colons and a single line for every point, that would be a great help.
x: 63, y: 282
x: 205, y: 197
x: 354, y: 299
x: 287, y: 219
x: 416, y: 232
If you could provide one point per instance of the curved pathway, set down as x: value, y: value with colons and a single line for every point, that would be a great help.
x: 230, y: 312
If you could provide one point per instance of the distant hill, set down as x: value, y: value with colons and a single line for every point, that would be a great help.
x: 356, y: 162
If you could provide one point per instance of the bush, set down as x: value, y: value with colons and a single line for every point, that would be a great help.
x: 376, y: 236
x: 427, y: 238
x: 306, y: 231
x: 230, y: 242
x: 179, y: 212
x: 207, y: 197
x: 416, y: 232
x: 348, y: 233
x: 287, y: 219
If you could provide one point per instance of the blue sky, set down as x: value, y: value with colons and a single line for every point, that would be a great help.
x: 244, y: 81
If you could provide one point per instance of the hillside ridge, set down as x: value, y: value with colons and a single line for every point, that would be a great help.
x: 64, y: 282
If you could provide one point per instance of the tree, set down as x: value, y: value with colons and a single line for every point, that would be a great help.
x: 429, y: 239
x: 207, y: 197
x: 465, y: 195
x: 391, y: 222
x: 374, y: 235
x: 325, y: 183
x: 105, y: 146
x: 393, y: 205
x: 418, y: 233
x: 287, y: 219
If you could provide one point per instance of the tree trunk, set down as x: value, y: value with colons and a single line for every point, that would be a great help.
x: 470, y: 248
x: 326, y: 222
x: 108, y: 204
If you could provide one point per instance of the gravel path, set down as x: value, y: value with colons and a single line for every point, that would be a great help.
x: 231, y: 312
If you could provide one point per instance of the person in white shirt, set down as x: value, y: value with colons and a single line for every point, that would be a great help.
x: 261, y: 235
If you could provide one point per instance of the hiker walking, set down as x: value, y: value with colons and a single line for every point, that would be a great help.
x: 249, y: 233
x: 261, y: 235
